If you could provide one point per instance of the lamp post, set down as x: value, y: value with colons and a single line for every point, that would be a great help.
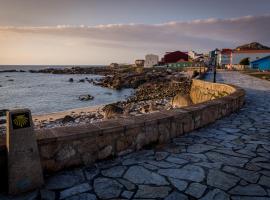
x: 215, y: 67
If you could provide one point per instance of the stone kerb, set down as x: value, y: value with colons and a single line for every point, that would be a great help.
x: 70, y: 146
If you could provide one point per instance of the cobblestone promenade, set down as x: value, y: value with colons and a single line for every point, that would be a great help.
x: 229, y: 159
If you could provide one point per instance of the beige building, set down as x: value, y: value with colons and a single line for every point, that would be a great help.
x: 150, y: 60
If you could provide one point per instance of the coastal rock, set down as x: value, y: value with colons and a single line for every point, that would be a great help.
x: 86, y: 97
x: 112, y: 110
x: 180, y: 100
x: 67, y: 119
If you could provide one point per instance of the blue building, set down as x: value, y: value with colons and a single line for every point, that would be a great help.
x: 261, y: 64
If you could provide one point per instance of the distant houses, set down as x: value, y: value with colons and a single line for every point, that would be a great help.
x: 233, y: 58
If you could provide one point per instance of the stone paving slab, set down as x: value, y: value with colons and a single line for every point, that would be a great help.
x: 229, y: 159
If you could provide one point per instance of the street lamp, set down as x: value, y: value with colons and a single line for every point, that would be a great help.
x: 215, y: 67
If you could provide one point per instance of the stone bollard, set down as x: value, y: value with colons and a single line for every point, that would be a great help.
x: 24, y: 168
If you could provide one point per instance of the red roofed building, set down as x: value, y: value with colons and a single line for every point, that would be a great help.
x: 173, y: 57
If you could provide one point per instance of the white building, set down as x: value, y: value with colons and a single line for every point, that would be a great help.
x: 224, y: 57
x: 237, y: 56
x: 150, y: 60
x: 194, y: 55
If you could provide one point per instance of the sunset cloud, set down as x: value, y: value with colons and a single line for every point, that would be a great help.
x: 127, y: 42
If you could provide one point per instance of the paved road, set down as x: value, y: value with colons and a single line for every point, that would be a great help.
x: 229, y: 159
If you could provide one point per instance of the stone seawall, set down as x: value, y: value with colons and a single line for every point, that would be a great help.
x: 71, y: 146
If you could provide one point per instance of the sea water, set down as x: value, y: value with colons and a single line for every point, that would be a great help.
x: 47, y: 93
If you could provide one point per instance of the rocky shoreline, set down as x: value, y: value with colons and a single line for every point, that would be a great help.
x: 154, y: 90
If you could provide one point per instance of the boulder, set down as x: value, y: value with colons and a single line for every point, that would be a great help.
x: 181, y: 100
x: 86, y: 97
x: 112, y: 110
x: 71, y: 80
x: 67, y: 119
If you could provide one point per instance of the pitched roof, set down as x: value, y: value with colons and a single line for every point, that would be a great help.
x: 253, y: 51
x: 261, y: 59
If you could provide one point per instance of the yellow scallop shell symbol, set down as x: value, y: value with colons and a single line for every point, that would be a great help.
x: 20, y: 120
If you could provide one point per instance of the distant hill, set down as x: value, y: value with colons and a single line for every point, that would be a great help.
x: 252, y: 46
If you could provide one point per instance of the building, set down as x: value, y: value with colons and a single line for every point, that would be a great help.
x: 139, y: 63
x: 150, y: 60
x: 238, y: 55
x: 173, y: 57
x: 224, y: 57
x: 261, y: 64
x: 193, y: 55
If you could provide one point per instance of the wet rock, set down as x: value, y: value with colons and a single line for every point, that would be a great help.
x: 71, y: 80
x: 86, y: 97
x: 81, y: 81
x: 112, y: 110
x: 68, y: 119
x: 181, y: 100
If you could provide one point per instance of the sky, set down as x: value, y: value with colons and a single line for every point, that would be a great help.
x: 105, y: 31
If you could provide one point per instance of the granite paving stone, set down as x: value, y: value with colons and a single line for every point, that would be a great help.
x: 196, y: 190
x: 106, y: 188
x: 176, y: 196
x: 75, y: 190
x: 188, y: 172
x: 178, y: 184
x: 140, y: 175
x: 252, y: 190
x: 216, y: 194
x: 221, y: 179
x: 146, y: 191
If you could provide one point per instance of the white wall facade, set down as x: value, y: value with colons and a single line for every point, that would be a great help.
x: 223, y: 59
x: 150, y: 60
x: 238, y: 56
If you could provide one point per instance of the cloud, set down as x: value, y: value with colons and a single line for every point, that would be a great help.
x: 139, y: 39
